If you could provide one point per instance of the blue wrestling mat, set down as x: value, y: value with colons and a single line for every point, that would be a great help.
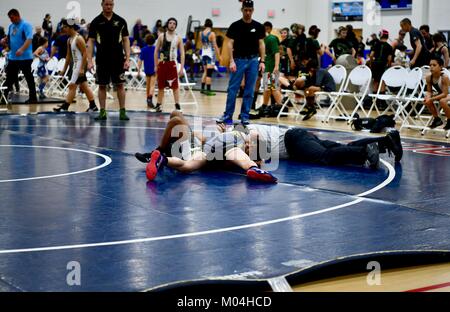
x: 73, y: 197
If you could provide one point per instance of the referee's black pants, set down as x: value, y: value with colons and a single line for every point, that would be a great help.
x: 304, y: 146
x: 12, y: 74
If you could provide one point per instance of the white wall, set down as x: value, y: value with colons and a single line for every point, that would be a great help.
x: 308, y: 12
x: 151, y: 10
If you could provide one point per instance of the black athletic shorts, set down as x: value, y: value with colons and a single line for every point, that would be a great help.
x: 378, y: 70
x: 81, y: 79
x: 110, y: 73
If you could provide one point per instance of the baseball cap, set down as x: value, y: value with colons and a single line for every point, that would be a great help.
x: 247, y: 4
x: 313, y: 30
x: 384, y: 32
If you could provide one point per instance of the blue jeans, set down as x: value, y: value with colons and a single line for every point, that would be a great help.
x: 249, y: 68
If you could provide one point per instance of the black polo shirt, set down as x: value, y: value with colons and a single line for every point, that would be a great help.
x: 246, y: 38
x: 108, y: 35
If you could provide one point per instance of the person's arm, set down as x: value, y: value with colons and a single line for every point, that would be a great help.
x: 262, y: 54
x: 90, y: 44
x: 444, y: 94
x: 182, y: 57
x: 81, y: 45
x: 277, y: 63
x: 156, y: 54
x: 127, y: 49
x: 29, y: 40
x: 429, y: 92
x: 230, y: 46
x: 291, y: 57
x: 446, y: 56
x: 139, y: 66
x: 419, y: 48
x: 389, y: 60
x: 38, y: 52
x: 90, y: 53
x: 212, y: 39
x: 353, y: 52
x: 68, y: 59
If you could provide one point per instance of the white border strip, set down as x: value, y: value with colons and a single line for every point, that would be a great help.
x: 222, y: 230
x: 107, y: 162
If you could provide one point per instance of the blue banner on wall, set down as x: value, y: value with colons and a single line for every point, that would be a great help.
x: 348, y: 11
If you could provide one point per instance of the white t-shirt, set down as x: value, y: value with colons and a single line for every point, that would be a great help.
x: 273, y: 137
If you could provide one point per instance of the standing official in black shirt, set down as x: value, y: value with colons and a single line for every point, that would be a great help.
x: 421, y: 55
x: 246, y: 43
x: 109, y: 33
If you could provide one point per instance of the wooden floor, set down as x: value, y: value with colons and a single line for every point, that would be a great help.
x: 212, y: 106
x: 432, y: 278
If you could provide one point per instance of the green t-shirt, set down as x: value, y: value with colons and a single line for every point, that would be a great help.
x: 272, y: 47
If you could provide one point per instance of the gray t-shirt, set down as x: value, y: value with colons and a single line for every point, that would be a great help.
x: 273, y: 137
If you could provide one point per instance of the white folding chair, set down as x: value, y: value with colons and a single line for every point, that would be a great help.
x: 413, y: 94
x: 186, y: 89
x: 134, y: 80
x: 339, y: 74
x: 297, y: 106
x: 359, y: 78
x: 2, y: 81
x: 394, y: 81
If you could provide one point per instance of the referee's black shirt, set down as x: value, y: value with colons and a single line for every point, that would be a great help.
x: 108, y: 35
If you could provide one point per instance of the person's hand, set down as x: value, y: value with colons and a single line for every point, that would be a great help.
x: 262, y: 67
x: 90, y: 65
x: 292, y: 65
x: 428, y: 101
x: 181, y: 73
x: 276, y: 72
x: 412, y: 63
x: 81, y: 72
x: 221, y: 127
x: 126, y: 65
x: 233, y: 67
x: 19, y: 52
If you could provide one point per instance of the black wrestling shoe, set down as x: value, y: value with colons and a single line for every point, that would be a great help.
x: 373, y: 156
x: 395, y: 145
x: 311, y: 112
x: 447, y: 125
x: 436, y: 123
x: 144, y: 158
x: 63, y: 107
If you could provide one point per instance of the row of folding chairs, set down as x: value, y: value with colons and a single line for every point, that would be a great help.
x: 404, y: 96
x: 3, y: 98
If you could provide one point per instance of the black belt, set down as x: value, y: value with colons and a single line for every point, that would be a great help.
x: 247, y: 57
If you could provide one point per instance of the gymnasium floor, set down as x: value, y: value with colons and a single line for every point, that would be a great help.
x: 71, y: 190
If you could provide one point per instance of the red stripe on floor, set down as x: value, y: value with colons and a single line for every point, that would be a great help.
x: 430, y: 288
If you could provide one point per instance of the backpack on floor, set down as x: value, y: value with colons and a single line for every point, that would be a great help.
x: 375, y: 125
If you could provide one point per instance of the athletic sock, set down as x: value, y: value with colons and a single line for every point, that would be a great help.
x: 203, y: 86
x: 208, y: 87
x: 92, y: 104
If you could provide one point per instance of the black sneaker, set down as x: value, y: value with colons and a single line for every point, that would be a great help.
x: 305, y: 111
x: 447, y: 125
x: 373, y: 156
x: 177, y: 107
x: 150, y: 103
x: 395, y: 145
x: 145, y: 157
x: 158, y: 108
x: 62, y: 107
x: 436, y: 123
x: 310, y: 114
x: 92, y: 109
